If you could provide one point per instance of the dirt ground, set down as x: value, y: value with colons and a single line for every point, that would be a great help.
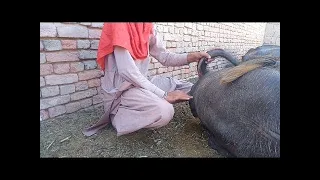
x: 182, y: 137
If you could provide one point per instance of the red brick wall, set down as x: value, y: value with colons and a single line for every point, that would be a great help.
x: 70, y: 80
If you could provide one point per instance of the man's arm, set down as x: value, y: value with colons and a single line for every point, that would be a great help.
x: 166, y: 58
x: 129, y: 71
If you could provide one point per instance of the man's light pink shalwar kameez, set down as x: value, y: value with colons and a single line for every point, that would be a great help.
x: 132, y: 100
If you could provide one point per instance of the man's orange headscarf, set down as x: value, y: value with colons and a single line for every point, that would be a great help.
x: 132, y: 36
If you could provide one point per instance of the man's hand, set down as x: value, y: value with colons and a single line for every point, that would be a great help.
x: 197, y: 56
x: 177, y: 96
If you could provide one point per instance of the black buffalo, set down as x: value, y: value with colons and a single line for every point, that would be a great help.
x: 240, y: 105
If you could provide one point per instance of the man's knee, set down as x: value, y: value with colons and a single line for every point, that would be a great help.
x: 167, y: 111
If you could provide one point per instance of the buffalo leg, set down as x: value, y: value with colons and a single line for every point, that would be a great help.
x: 214, y: 144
